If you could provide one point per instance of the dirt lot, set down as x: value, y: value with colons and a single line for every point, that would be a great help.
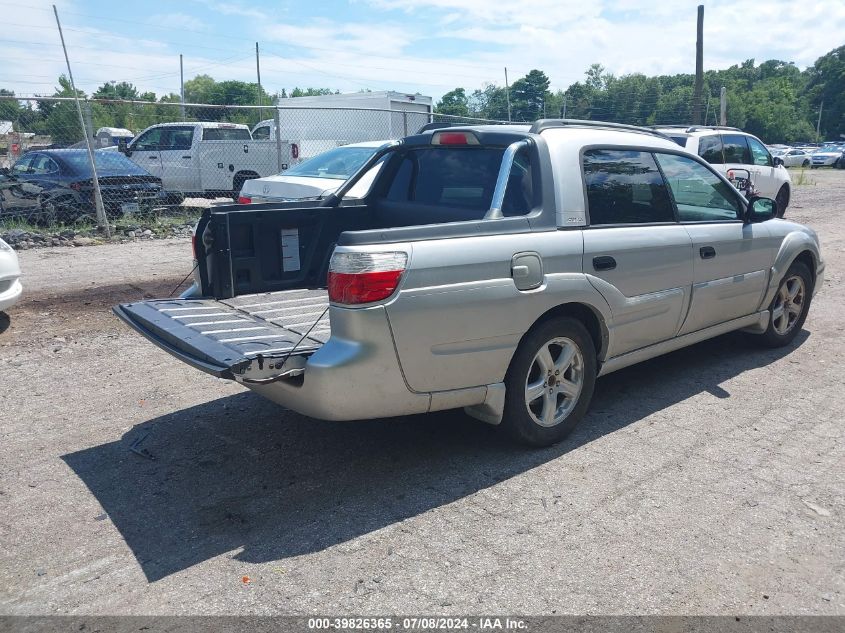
x: 707, y: 481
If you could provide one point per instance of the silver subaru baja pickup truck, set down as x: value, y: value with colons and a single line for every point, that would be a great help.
x: 500, y: 269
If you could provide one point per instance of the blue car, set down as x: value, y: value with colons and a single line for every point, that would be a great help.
x: 57, y: 185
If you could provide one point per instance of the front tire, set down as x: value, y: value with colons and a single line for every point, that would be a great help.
x: 789, y: 308
x: 550, y: 382
x: 782, y: 198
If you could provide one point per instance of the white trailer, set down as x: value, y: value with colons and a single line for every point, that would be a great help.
x: 316, y: 124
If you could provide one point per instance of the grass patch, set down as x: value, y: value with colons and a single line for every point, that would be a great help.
x: 802, y: 179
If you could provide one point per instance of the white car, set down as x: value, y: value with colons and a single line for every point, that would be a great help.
x: 312, y: 178
x: 828, y: 156
x: 10, y: 277
x: 792, y: 157
x: 729, y: 148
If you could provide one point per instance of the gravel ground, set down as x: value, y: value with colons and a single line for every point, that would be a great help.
x: 708, y: 481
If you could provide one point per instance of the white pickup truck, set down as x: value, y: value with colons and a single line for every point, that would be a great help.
x: 206, y: 159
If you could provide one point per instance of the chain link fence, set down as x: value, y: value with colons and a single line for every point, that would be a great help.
x: 165, y: 162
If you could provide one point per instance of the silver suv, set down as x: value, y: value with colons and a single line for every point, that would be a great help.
x: 501, y: 269
x: 728, y: 149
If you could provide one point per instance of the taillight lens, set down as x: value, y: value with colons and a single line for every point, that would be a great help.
x: 244, y: 200
x: 364, y: 277
x: 75, y: 186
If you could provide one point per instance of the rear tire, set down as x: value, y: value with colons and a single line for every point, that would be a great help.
x: 783, y: 200
x: 550, y: 382
x: 789, y: 307
x: 806, y: 163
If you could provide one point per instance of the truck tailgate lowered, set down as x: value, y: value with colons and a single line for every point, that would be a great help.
x: 227, y: 337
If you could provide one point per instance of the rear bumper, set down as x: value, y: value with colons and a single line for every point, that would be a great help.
x: 354, y: 376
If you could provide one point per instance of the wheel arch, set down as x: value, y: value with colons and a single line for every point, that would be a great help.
x: 587, y: 314
x: 796, y: 246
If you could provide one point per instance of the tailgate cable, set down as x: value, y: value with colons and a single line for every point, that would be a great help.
x: 267, y: 381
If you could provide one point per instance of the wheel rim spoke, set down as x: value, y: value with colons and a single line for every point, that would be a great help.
x: 569, y: 388
x: 544, y: 359
x: 549, y: 407
x: 535, y: 390
x: 564, y: 361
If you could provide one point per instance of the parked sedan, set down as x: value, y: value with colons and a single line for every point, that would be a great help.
x: 792, y: 157
x: 10, y: 274
x: 312, y: 178
x: 58, y: 185
x: 827, y: 156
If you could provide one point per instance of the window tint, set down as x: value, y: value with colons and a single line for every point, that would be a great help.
x: 625, y: 187
x: 699, y: 194
x: 22, y: 166
x: 710, y: 149
x: 759, y: 153
x: 148, y: 140
x: 261, y: 133
x: 177, y: 138
x: 42, y: 165
x: 680, y: 140
x: 736, y: 149
x: 226, y: 134
x: 454, y: 177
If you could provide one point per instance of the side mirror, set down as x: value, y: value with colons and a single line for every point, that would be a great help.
x: 778, y: 161
x: 123, y: 147
x: 760, y: 209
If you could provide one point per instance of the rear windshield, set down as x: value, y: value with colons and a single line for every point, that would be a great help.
x: 461, y: 178
x: 225, y: 134
x: 339, y: 163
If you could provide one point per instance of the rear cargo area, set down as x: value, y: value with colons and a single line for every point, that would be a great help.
x: 222, y: 337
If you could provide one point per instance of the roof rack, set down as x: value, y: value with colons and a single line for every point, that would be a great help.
x: 694, y: 128
x: 546, y: 124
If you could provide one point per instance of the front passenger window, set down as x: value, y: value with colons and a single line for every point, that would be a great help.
x: 759, y: 153
x: 700, y: 195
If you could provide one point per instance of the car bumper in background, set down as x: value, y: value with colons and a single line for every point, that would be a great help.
x: 10, y: 292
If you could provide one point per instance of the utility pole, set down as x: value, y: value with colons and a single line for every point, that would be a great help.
x: 508, y: 93
x: 102, y: 220
x: 258, y: 73
x: 699, y: 68
x: 819, y: 123
x: 563, y: 114
x: 723, y: 106
x: 707, y: 110
x: 181, y: 88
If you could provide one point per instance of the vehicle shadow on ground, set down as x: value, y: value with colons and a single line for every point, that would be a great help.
x: 240, y: 472
x: 5, y: 322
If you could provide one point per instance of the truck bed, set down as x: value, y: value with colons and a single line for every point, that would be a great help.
x: 222, y: 336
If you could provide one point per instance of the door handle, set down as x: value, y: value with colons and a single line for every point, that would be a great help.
x: 604, y: 263
x: 186, y: 157
x: 153, y: 157
x: 707, y: 252
x: 519, y: 271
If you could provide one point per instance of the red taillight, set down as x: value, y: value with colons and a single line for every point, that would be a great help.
x: 194, y: 243
x: 244, y: 200
x: 364, y: 277
x: 75, y: 186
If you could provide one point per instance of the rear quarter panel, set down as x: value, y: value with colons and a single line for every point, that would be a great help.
x: 459, y: 317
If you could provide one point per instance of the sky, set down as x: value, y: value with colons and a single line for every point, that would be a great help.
x: 424, y: 46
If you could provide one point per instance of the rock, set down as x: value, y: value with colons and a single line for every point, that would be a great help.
x: 23, y: 246
x: 82, y: 241
x: 15, y: 235
x: 68, y: 234
x: 147, y: 233
x: 130, y: 234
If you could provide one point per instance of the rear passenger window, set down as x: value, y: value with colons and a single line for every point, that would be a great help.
x: 736, y: 149
x: 625, y: 187
x: 710, y: 149
x: 759, y: 154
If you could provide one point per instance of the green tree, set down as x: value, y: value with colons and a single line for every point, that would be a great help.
x: 528, y: 96
x: 826, y: 91
x: 454, y: 102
